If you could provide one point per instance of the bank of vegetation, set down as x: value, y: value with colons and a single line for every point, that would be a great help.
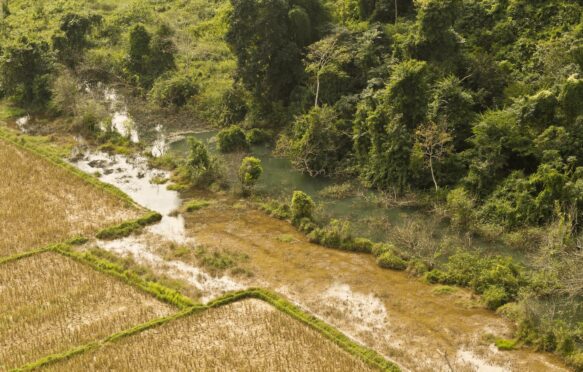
x: 474, y: 103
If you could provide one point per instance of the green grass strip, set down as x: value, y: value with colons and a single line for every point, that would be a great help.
x: 20, y: 256
x: 20, y: 141
x: 369, y: 356
x: 127, y: 228
x: 54, y: 358
x: 159, y: 291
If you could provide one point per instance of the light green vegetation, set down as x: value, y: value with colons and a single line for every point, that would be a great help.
x: 128, y: 227
x: 194, y: 205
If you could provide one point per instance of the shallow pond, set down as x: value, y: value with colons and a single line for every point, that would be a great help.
x: 363, y: 208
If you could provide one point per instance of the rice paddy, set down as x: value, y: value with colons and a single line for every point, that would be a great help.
x: 245, y: 336
x: 42, y: 203
x: 50, y: 303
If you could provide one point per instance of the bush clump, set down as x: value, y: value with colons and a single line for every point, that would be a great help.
x: 276, y: 209
x: 497, y: 278
x: 334, y: 235
x: 302, y: 206
x: 173, y: 91
x: 380, y: 248
x: 460, y: 206
x: 258, y: 136
x: 249, y: 172
x: 390, y: 260
x: 232, y: 139
x: 494, y: 297
x: 200, y: 168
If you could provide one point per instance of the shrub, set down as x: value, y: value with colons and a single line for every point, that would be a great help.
x: 436, y: 276
x: 362, y: 245
x: 201, y: 169
x: 258, y: 136
x: 174, y: 90
x: 232, y: 139
x: 306, y: 225
x: 576, y: 361
x: 233, y: 106
x: 380, y: 248
x: 278, y: 210
x: 390, y: 260
x: 417, y: 267
x: 334, y: 235
x: 302, y: 206
x: 494, y: 297
x: 461, y: 207
x: 498, y: 278
x: 249, y: 172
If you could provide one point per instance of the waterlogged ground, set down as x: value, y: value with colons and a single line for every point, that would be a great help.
x: 403, y: 318
x: 420, y: 327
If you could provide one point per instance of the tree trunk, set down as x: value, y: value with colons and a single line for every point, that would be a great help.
x: 317, y: 90
x: 433, y: 173
x: 396, y: 11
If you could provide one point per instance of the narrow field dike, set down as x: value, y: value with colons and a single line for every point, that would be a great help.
x: 50, y: 304
x: 43, y: 203
x: 246, y: 335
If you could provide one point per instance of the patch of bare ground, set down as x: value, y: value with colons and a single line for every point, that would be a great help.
x: 42, y: 203
x: 50, y: 303
x: 245, y: 336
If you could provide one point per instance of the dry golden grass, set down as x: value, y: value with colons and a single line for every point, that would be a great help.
x: 41, y: 203
x: 50, y: 303
x: 245, y: 336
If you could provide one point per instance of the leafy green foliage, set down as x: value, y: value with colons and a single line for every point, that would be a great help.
x: 318, y: 142
x: 25, y: 65
x: 72, y: 41
x: 149, y: 57
x: 497, y: 278
x: 201, y: 169
x: 249, y: 172
x: 232, y: 139
x: 389, y: 260
x: 302, y: 206
x: 267, y: 37
x: 173, y: 90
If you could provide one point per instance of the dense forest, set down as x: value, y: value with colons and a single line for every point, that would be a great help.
x: 474, y: 107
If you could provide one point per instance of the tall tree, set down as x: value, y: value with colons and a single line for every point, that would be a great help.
x: 24, y: 67
x: 70, y: 43
x: 435, y: 143
x: 268, y: 37
x: 326, y: 57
